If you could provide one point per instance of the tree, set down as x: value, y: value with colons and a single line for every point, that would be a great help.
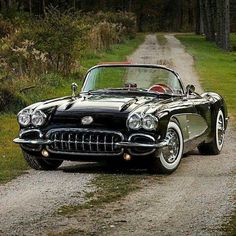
x: 223, y: 24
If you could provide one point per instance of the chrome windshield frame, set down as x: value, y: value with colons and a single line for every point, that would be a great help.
x: 85, y: 81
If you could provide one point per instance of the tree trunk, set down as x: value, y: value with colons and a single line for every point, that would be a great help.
x: 223, y: 24
x: 30, y: 7
x: 198, y: 18
x: 43, y: 7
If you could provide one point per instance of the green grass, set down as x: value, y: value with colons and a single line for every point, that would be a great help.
x: 217, y: 68
x: 233, y: 41
x: 11, y: 160
x: 109, y: 188
x: 161, y: 39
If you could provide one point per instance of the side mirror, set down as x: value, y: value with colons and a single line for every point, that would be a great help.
x: 190, y: 89
x: 74, y: 88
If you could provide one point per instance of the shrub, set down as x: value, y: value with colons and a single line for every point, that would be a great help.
x: 109, y: 28
x: 6, y: 28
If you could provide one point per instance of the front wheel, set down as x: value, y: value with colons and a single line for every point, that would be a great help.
x: 168, y: 158
x: 38, y: 163
x: 216, y: 145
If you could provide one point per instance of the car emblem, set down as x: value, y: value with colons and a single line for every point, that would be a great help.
x: 87, y: 120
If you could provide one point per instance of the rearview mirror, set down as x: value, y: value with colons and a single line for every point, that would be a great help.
x: 190, y: 89
x: 74, y: 88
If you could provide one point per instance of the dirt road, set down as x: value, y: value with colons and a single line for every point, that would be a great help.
x: 194, y: 200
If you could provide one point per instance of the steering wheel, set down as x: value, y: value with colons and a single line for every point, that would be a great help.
x: 160, y: 88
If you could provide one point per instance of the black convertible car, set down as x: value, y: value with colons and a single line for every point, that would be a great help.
x: 124, y: 111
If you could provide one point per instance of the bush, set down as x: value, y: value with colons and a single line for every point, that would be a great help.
x: 6, y: 28
x: 110, y: 28
x: 49, y: 44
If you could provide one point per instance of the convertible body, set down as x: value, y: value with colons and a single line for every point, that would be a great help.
x: 116, y: 117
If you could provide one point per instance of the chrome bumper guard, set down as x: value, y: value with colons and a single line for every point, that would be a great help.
x: 120, y: 144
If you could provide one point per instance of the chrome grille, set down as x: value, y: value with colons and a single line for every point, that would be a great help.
x: 84, y: 141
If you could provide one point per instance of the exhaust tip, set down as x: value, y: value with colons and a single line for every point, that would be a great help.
x: 45, y: 153
x: 127, y: 157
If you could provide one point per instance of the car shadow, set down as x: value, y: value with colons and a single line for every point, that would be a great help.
x: 104, y: 168
x: 127, y: 168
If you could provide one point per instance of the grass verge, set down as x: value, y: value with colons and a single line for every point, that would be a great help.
x: 217, y: 70
x: 11, y: 161
x: 161, y: 39
x: 109, y: 188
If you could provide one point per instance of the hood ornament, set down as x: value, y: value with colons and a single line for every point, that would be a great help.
x: 87, y: 120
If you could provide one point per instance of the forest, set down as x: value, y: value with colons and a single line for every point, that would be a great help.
x: 51, y: 37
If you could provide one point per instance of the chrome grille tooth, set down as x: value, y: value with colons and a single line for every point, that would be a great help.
x: 69, y: 141
x: 112, y: 143
x: 76, y: 142
x: 97, y: 143
x: 105, y: 143
x: 83, y: 147
x: 90, y: 143
x: 62, y: 135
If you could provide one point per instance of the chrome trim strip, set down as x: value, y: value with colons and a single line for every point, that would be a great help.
x: 129, y: 144
x: 33, y: 142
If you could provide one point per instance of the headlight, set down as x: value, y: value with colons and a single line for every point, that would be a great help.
x: 24, y: 117
x: 150, y: 122
x: 38, y: 118
x: 135, y: 122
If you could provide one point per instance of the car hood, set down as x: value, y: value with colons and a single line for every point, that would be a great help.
x: 114, y: 104
x: 107, y: 110
x: 107, y: 104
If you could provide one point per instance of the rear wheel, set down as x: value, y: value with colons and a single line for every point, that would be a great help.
x: 168, y: 158
x: 38, y: 163
x: 216, y: 145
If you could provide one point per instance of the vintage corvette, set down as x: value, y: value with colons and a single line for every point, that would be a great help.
x: 124, y: 112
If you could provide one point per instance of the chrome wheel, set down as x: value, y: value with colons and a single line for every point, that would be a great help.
x: 171, y: 155
x: 220, y: 130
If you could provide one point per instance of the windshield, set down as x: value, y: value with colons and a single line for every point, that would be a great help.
x: 138, y: 78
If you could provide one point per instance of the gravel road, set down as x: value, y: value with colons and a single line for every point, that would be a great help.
x: 27, y: 200
x: 195, y: 200
x: 198, y: 197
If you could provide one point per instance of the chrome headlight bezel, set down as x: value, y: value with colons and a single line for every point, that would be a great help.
x: 134, y: 118
x: 38, y: 118
x: 24, y: 114
x: 149, y: 122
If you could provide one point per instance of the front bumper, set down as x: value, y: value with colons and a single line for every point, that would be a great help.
x: 120, y: 144
x: 87, y: 142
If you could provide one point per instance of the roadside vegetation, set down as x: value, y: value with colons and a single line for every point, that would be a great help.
x: 39, y: 61
x: 216, y: 67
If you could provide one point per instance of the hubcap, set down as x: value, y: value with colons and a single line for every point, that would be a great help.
x: 170, y: 153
